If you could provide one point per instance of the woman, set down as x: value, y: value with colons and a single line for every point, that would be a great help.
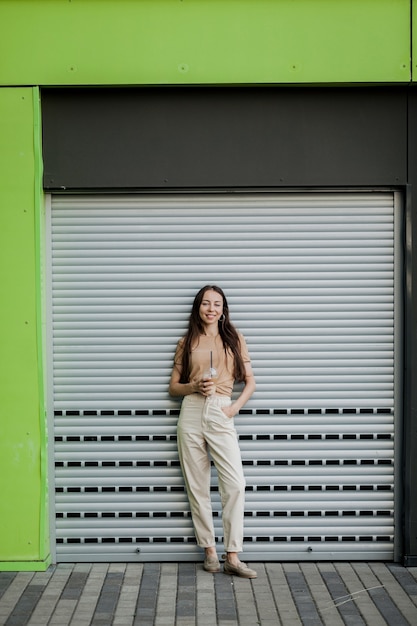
x: 206, y: 422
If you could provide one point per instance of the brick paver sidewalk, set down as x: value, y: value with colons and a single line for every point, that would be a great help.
x: 182, y: 594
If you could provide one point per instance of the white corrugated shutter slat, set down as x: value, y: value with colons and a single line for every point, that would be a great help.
x: 310, y: 283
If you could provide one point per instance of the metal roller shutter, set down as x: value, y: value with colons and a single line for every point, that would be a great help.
x: 310, y: 282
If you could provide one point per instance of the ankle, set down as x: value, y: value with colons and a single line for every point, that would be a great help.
x: 232, y: 558
x: 211, y: 552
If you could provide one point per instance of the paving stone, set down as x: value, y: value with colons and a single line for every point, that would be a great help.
x: 321, y: 595
x: 75, y: 585
x: 206, y: 601
x: 357, y: 593
x: 405, y: 578
x: 405, y: 602
x: 128, y: 598
x: 186, y: 596
x: 63, y: 613
x: 13, y: 593
x: 387, y: 607
x: 56, y: 581
x: 283, y: 597
x: 148, y: 592
x: 302, y: 598
x: 88, y: 601
x: 25, y: 606
x: 225, y: 599
x: 341, y: 597
x: 6, y: 578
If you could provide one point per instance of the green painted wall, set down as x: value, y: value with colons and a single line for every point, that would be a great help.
x: 89, y: 42
x: 136, y: 42
x: 23, y: 484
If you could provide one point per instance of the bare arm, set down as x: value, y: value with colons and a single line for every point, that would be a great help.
x: 247, y: 391
x: 205, y: 387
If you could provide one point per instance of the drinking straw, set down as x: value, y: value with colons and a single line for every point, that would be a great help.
x: 211, y: 359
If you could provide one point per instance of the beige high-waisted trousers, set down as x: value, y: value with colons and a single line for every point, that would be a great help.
x: 202, y: 428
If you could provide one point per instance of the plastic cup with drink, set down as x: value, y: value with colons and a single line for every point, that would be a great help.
x: 210, y: 373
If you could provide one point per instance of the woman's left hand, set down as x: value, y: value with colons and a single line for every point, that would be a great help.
x: 229, y: 411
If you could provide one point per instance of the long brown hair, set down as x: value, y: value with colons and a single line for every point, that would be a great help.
x: 227, y: 332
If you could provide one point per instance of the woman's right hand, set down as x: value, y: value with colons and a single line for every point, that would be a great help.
x: 206, y: 387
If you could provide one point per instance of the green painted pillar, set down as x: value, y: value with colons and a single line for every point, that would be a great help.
x: 24, y: 536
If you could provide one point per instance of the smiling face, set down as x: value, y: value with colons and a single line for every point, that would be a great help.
x: 211, y: 308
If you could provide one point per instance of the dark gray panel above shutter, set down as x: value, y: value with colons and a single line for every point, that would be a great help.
x: 223, y: 137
